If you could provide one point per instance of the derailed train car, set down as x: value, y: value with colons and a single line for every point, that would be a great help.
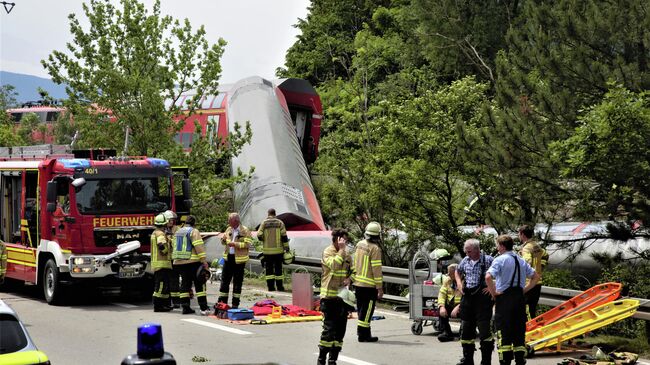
x: 285, y: 118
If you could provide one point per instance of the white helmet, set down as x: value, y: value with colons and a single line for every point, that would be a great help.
x: 169, y: 214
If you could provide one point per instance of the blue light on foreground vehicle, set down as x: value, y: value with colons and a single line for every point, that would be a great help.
x: 73, y: 163
x: 150, y: 341
x: 158, y: 162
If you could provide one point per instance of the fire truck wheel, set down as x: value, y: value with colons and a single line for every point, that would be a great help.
x: 51, y: 283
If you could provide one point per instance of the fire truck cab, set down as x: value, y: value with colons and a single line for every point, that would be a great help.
x: 82, y: 216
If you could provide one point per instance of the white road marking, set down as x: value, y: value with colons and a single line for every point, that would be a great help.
x: 393, y: 314
x: 351, y: 360
x: 217, y: 326
x: 126, y: 305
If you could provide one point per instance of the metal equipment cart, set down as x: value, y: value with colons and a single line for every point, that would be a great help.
x: 422, y: 298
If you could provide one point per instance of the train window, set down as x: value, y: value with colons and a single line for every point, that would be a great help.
x: 16, y: 117
x: 218, y: 100
x: 186, y: 139
x: 51, y: 116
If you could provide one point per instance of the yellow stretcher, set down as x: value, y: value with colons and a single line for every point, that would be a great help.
x: 565, y: 329
x: 285, y: 319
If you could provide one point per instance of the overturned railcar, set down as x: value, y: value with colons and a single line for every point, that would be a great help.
x: 285, y: 117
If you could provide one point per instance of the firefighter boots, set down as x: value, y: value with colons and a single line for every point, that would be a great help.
x: 468, y: 354
x: 270, y: 284
x: 334, y: 355
x: 322, y: 355
x: 188, y: 310
x: 365, y: 336
x: 280, y: 285
x: 486, y: 352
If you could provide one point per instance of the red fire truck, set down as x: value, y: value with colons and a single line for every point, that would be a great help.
x: 82, y: 216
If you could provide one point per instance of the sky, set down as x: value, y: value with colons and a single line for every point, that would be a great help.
x: 258, y: 32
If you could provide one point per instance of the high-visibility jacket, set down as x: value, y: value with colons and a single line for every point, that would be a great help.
x: 3, y: 259
x: 448, y: 294
x: 273, y: 235
x: 367, y: 265
x: 535, y: 256
x: 161, y: 250
x: 188, y: 246
x: 243, y: 243
x: 336, y: 267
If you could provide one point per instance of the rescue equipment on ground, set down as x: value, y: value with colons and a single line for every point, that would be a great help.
x: 591, y: 298
x: 599, y: 357
x: 422, y: 295
x: 586, y: 321
x: 240, y: 314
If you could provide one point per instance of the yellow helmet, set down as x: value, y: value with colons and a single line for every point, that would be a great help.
x: 288, y: 258
x: 160, y: 220
x: 373, y: 229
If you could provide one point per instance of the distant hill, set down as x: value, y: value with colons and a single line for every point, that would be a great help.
x: 27, y: 86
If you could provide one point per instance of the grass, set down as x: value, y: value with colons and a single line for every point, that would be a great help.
x: 610, y: 343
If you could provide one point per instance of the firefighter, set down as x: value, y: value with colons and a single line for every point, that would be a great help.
x: 189, y: 255
x: 537, y: 257
x: 367, y: 280
x: 174, y: 281
x: 273, y: 235
x: 476, y: 304
x: 449, y: 298
x: 161, y: 264
x: 336, y: 266
x: 505, y: 280
x: 237, y: 241
x: 3, y: 261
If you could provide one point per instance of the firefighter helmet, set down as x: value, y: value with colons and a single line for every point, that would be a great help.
x: 160, y: 220
x: 348, y: 297
x: 203, y: 273
x: 440, y: 254
x: 288, y: 258
x: 169, y: 214
x: 373, y: 229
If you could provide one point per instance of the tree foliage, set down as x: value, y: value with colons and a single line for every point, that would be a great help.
x: 127, y: 71
x: 132, y: 66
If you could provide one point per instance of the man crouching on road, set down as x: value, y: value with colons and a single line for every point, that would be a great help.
x: 336, y: 272
x: 510, y: 271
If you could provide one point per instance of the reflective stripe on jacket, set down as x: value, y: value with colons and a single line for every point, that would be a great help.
x: 160, y: 250
x: 448, y: 294
x: 192, y: 242
x: 535, y: 256
x: 273, y: 235
x: 243, y: 243
x: 367, y: 265
x: 336, y: 267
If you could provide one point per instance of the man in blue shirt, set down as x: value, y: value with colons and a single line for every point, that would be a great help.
x: 506, y: 280
x: 476, y: 304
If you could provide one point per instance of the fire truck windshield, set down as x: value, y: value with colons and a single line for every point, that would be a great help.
x: 124, y: 196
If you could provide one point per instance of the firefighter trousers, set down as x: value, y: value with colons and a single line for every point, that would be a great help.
x: 510, y: 323
x: 532, y: 298
x: 189, y: 278
x: 175, y: 285
x: 161, y: 279
x: 366, y: 300
x: 476, y: 313
x: 232, y: 271
x: 274, y: 275
x: 335, y: 319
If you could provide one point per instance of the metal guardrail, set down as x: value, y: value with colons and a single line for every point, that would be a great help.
x: 550, y: 295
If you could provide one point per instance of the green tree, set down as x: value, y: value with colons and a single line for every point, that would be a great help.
x: 557, y: 62
x: 8, y: 136
x: 461, y: 38
x: 127, y: 65
x: 608, y: 157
